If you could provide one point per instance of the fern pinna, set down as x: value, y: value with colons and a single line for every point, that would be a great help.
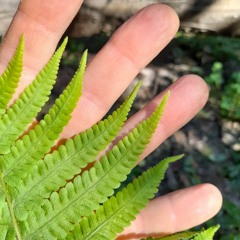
x: 47, y: 195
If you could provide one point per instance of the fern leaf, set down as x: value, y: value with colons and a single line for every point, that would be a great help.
x: 27, y: 106
x: 207, y: 234
x: 204, y: 234
x: 39, y: 141
x: 80, y: 197
x: 10, y: 77
x: 51, y: 174
x: 107, y: 221
x: 177, y: 236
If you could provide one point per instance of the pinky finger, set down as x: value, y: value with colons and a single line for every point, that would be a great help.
x: 175, y: 212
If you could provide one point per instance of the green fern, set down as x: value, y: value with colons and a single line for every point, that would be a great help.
x: 10, y: 77
x: 51, y: 174
x: 204, y: 234
x: 34, y: 145
x: 16, y: 119
x: 207, y: 234
x: 80, y: 197
x: 51, y: 195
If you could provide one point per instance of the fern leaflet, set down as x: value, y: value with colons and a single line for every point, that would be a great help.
x: 207, y: 234
x: 20, y: 115
x: 10, y: 77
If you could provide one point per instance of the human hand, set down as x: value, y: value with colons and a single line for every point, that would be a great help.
x: 135, y: 44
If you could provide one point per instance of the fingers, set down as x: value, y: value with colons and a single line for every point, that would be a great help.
x: 187, y: 96
x: 42, y: 23
x: 176, y: 212
x: 136, y: 43
x: 131, y: 48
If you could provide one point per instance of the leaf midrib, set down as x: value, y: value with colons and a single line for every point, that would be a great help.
x: 123, y: 206
x: 11, y: 72
x: 10, y: 208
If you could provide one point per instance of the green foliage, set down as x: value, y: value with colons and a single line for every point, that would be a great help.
x: 43, y: 195
x: 207, y: 234
x: 223, y: 54
x: 210, y: 47
x: 17, y: 118
x: 215, y: 78
x: 51, y: 174
x: 227, y: 94
x: 108, y: 220
x: 224, y: 81
x: 204, y: 234
x: 58, y: 195
x: 10, y: 77
x: 230, y: 101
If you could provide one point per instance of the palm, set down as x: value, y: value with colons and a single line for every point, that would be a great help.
x: 135, y: 44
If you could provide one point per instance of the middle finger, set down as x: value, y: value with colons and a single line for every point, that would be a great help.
x: 133, y: 46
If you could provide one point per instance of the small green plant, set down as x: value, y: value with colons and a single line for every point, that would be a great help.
x: 57, y: 195
x: 230, y: 101
x: 227, y: 94
x: 215, y: 79
x: 210, y: 48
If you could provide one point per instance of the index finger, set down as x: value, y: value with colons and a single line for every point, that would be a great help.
x: 175, y: 212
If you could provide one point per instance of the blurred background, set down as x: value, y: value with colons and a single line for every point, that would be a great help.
x: 207, y: 44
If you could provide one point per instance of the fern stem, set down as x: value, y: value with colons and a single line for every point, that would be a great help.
x: 10, y: 207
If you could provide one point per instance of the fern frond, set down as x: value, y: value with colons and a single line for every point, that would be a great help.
x: 11, y: 76
x: 15, y: 121
x: 108, y: 221
x: 52, y: 173
x: 207, y: 234
x: 39, y: 141
x: 80, y: 197
x: 51, y: 195
x: 204, y: 234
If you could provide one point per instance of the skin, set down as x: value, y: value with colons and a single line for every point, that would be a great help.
x: 127, y: 52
